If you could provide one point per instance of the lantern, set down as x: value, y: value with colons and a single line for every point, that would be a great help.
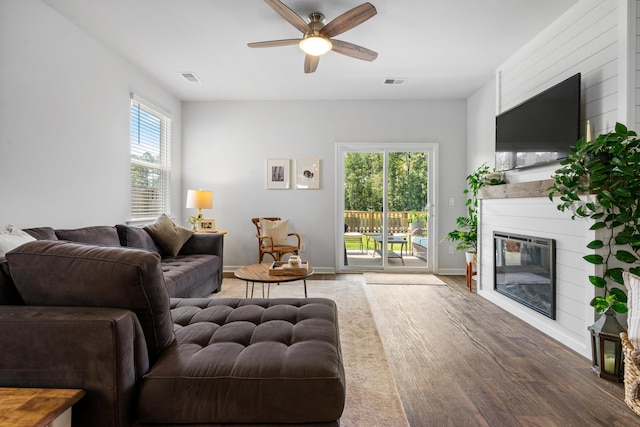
x: 606, y: 347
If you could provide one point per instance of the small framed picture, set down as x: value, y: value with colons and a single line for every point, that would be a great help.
x: 307, y: 174
x: 207, y: 226
x: 277, y: 174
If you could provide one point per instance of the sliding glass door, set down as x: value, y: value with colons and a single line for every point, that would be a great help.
x: 385, y: 199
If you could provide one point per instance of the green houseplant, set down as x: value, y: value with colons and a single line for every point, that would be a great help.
x: 606, y: 170
x: 465, y: 235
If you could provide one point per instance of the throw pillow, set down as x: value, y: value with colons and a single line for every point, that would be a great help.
x: 632, y: 283
x: 168, y: 235
x: 277, y: 230
x: 12, y: 237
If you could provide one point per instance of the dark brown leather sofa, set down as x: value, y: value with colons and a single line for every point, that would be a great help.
x: 100, y: 319
x: 196, y: 271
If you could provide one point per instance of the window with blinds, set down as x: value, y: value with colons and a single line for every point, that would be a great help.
x: 150, y: 160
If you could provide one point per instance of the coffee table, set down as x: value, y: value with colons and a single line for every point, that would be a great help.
x: 259, y: 273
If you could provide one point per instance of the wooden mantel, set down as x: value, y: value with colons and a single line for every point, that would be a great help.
x: 519, y: 189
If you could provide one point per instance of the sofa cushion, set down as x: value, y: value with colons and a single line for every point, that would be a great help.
x: 98, y: 235
x: 169, y: 235
x: 136, y: 237
x: 248, y: 361
x: 42, y: 233
x: 57, y: 273
x: 12, y: 237
x: 182, y: 273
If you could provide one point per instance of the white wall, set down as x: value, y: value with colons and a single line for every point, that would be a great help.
x: 226, y: 144
x: 481, y: 127
x: 64, y: 122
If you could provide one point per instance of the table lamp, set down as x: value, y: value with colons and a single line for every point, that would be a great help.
x: 199, y: 199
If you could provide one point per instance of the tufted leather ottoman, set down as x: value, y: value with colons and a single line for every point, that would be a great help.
x: 248, y: 361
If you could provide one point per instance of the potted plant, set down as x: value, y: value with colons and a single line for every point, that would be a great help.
x: 465, y: 235
x: 604, y: 172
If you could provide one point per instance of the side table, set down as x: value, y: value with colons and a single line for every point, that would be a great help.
x: 37, y: 407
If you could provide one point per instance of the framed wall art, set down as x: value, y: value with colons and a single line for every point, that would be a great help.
x: 307, y: 174
x: 207, y: 225
x: 277, y: 174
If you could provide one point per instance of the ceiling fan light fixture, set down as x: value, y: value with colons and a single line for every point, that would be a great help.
x: 315, y: 45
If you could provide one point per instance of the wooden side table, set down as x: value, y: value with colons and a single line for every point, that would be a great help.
x: 470, y: 274
x: 37, y: 407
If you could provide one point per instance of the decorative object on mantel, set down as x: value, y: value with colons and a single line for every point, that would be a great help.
x: 604, y: 172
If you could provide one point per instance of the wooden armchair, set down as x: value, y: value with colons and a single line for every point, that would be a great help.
x: 275, y: 245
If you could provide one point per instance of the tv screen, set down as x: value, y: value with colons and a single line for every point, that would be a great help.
x: 541, y: 129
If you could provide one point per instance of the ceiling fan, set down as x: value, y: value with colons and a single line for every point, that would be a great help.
x: 318, y: 37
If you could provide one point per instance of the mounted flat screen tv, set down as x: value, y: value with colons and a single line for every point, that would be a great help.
x: 541, y: 129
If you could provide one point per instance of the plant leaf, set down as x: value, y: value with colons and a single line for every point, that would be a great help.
x: 594, y: 259
x: 619, y: 307
x: 596, y: 244
x: 598, y: 281
x: 599, y: 304
x: 626, y: 256
x: 619, y: 294
x: 615, y: 274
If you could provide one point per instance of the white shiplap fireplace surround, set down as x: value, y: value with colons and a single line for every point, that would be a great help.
x: 599, y: 39
x: 525, y: 209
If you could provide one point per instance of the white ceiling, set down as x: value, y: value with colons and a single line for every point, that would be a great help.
x: 447, y: 49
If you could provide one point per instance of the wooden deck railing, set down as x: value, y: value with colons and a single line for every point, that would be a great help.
x: 371, y: 222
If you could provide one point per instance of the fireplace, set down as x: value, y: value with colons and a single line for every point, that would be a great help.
x: 525, y: 271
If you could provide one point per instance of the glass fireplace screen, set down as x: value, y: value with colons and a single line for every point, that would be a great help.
x: 525, y: 271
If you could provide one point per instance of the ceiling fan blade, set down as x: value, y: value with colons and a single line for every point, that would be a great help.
x: 289, y: 15
x: 348, y: 20
x: 275, y: 43
x: 353, y: 50
x: 311, y: 63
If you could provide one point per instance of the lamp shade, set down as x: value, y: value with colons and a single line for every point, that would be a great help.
x: 200, y: 199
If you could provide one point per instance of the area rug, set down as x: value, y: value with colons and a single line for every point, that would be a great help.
x: 402, y: 279
x: 372, y: 398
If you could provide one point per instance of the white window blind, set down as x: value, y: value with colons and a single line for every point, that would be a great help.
x: 150, y: 160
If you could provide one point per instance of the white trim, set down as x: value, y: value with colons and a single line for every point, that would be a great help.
x: 152, y: 105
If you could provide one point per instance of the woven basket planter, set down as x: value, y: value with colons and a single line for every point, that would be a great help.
x: 631, y: 374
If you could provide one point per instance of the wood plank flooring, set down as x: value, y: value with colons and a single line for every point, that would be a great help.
x: 459, y: 360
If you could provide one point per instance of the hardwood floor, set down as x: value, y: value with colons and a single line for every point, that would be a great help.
x: 459, y: 360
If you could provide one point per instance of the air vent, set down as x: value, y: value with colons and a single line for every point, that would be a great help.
x: 395, y: 80
x: 190, y: 77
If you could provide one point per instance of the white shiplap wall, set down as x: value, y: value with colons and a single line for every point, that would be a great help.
x: 591, y: 39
